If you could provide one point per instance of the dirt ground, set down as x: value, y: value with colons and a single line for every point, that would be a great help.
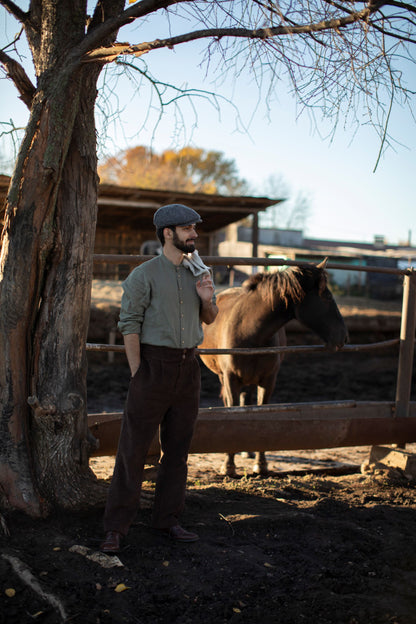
x: 303, y: 548
x: 315, y: 542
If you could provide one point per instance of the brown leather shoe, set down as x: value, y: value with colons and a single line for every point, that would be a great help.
x: 111, y: 542
x: 179, y: 534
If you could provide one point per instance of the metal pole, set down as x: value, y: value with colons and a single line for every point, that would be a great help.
x: 255, y: 238
x: 407, y: 345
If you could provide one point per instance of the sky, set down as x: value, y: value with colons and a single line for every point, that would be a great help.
x: 346, y: 199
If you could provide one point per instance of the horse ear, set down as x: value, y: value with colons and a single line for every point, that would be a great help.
x: 322, y: 265
x: 322, y: 283
x: 322, y: 279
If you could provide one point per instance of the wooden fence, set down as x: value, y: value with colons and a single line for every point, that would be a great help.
x: 326, y: 424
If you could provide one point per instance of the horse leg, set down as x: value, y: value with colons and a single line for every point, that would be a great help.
x: 246, y: 398
x: 260, y: 465
x: 230, y: 394
x: 264, y: 392
x: 228, y: 467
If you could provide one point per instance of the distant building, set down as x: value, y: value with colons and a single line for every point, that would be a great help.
x: 125, y: 219
x: 230, y: 229
x: 292, y: 245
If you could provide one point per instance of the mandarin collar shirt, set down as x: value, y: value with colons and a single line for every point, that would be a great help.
x: 160, y: 304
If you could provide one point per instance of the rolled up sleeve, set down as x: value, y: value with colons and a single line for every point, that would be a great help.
x: 135, y: 300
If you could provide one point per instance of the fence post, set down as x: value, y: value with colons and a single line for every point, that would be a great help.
x: 407, y: 344
x: 111, y: 341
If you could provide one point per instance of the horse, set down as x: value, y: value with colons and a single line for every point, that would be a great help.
x: 151, y: 248
x: 254, y: 315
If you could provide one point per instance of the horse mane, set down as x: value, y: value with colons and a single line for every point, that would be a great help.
x: 280, y: 285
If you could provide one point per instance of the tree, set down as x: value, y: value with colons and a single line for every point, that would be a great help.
x: 293, y: 213
x: 337, y: 54
x: 189, y: 169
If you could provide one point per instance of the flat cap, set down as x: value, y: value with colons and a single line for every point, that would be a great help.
x: 175, y: 214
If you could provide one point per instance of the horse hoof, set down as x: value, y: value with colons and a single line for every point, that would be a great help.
x: 260, y: 470
x: 228, y: 471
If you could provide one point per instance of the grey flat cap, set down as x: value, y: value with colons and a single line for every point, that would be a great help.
x: 175, y: 214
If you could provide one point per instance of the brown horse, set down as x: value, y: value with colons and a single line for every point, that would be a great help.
x: 253, y: 316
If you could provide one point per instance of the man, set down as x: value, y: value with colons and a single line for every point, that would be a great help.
x: 164, y: 302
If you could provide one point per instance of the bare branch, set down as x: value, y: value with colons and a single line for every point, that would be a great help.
x: 392, y: 34
x: 406, y: 6
x: 21, y: 80
x: 14, y: 10
x: 109, y: 54
x: 161, y: 96
x: 398, y: 34
x: 98, y: 34
x: 104, y: 11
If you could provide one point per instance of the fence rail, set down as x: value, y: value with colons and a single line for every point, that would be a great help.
x: 294, y: 426
x: 385, y: 344
x: 233, y: 261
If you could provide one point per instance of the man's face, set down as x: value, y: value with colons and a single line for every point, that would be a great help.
x: 184, y: 237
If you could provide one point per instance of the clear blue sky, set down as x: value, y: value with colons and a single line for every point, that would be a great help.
x: 347, y: 200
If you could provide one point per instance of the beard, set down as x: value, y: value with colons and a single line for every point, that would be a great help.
x: 185, y: 247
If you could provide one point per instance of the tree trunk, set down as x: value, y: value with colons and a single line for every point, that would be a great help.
x: 58, y: 385
x: 45, y: 284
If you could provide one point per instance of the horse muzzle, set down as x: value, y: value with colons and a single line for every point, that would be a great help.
x: 337, y: 345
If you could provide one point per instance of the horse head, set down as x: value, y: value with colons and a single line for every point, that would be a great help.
x: 317, y: 308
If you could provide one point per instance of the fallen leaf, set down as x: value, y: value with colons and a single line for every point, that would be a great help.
x: 236, y: 610
x: 10, y: 592
x: 268, y: 565
x: 121, y: 587
x: 166, y: 563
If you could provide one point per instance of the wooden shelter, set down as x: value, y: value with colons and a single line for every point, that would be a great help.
x: 125, y: 219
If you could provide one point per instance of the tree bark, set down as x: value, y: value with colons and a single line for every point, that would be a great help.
x: 58, y: 383
x: 46, y: 271
x: 25, y: 241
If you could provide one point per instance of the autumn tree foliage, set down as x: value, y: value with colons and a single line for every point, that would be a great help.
x: 189, y: 169
x: 345, y: 59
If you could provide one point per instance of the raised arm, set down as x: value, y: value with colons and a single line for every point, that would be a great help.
x: 205, y: 290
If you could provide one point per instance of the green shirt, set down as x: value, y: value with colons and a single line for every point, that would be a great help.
x: 160, y: 303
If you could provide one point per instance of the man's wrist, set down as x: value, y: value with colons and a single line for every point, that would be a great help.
x: 134, y: 369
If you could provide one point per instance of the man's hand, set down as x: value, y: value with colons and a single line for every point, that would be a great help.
x: 205, y: 290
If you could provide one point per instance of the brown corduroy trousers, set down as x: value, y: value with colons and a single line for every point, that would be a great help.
x: 164, y: 393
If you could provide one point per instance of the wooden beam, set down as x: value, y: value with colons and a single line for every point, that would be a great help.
x: 280, y: 427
